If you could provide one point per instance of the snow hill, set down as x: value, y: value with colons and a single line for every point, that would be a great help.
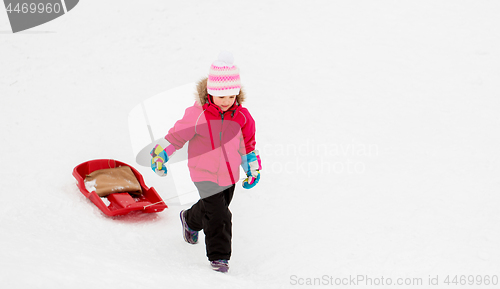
x: 377, y: 124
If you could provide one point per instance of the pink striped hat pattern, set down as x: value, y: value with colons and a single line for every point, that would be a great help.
x: 224, y: 76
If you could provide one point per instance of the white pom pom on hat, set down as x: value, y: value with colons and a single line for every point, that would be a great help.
x: 225, y: 58
x: 224, y: 76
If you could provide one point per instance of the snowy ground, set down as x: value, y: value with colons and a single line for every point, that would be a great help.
x: 377, y: 124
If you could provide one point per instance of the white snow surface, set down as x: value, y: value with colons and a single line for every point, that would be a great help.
x: 90, y: 185
x: 377, y: 125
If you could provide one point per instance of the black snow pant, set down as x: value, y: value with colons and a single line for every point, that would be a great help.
x: 212, y: 215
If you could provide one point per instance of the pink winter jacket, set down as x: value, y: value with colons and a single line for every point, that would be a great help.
x: 217, y: 139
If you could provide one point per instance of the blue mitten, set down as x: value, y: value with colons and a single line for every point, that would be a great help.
x: 251, y: 165
x: 159, y: 158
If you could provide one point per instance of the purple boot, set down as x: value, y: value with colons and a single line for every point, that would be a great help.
x: 220, y: 265
x: 190, y: 236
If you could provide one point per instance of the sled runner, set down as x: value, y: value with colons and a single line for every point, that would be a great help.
x: 119, y: 203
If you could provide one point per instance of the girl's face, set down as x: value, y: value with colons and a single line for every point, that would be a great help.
x: 224, y: 102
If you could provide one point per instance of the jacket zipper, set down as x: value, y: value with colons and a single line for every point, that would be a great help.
x: 221, y: 126
x: 223, y: 150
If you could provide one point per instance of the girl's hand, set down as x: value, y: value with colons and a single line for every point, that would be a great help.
x: 251, y: 165
x: 251, y: 181
x: 159, y: 158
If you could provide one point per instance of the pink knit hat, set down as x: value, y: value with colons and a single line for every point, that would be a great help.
x: 224, y: 76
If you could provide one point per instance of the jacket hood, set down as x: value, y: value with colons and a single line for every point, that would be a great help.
x: 202, y: 93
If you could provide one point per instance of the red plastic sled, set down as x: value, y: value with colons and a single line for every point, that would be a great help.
x: 120, y: 203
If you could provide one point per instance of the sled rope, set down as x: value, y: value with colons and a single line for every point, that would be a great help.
x: 109, y: 164
x: 152, y: 204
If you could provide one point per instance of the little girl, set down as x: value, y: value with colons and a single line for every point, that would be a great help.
x: 221, y: 135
